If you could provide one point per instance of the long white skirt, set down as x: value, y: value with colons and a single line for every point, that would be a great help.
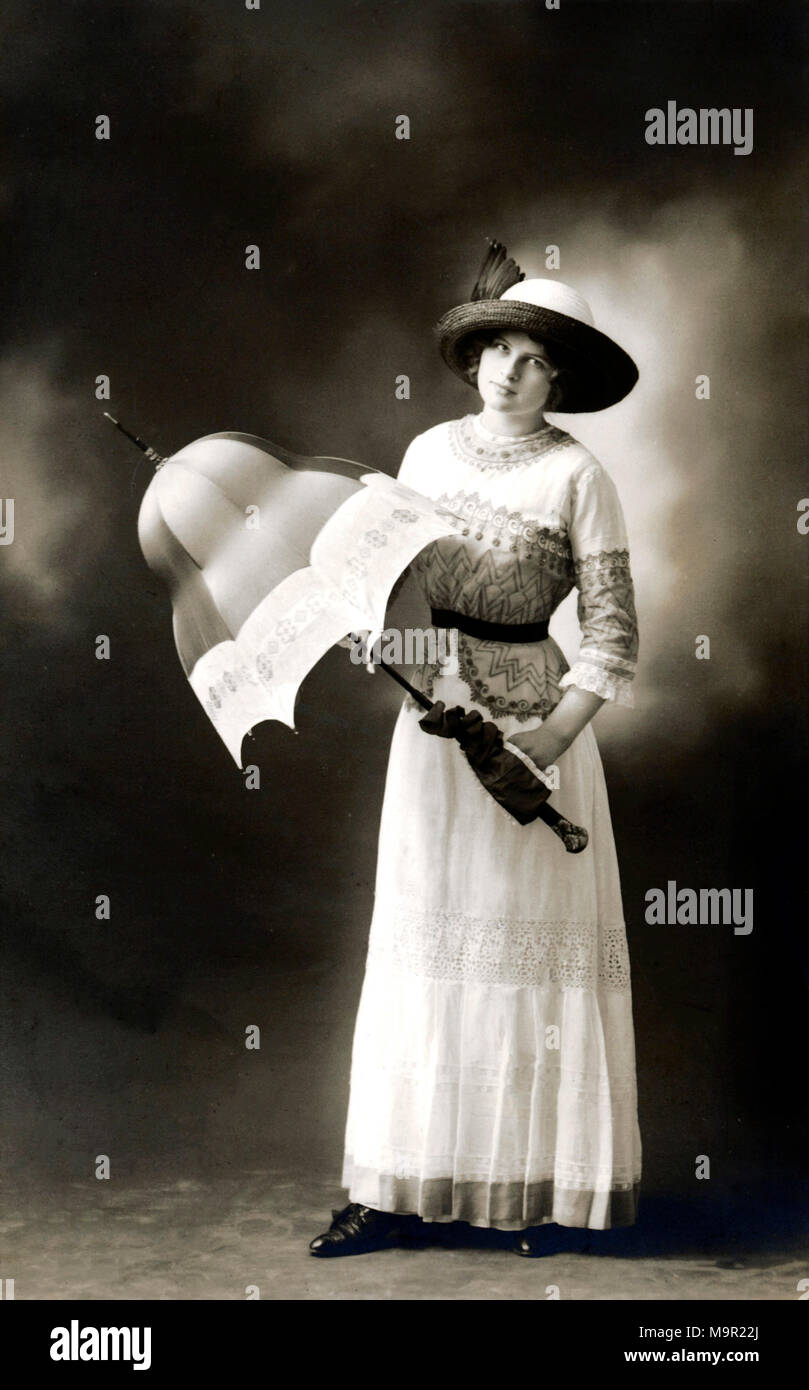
x: 493, y: 1068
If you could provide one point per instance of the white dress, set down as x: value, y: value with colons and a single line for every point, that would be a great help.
x: 493, y: 1068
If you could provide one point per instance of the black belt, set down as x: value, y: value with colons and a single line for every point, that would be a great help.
x: 494, y: 632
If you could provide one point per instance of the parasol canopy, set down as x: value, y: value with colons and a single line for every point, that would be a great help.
x: 270, y: 559
x: 270, y: 563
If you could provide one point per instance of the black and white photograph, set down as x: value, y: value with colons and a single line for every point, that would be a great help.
x: 403, y: 570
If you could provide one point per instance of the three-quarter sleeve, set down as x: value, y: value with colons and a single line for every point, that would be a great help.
x: 606, y: 600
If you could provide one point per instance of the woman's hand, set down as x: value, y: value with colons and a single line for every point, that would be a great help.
x: 553, y: 737
x: 543, y: 746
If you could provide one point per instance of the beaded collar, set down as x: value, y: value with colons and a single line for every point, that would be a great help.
x: 474, y: 444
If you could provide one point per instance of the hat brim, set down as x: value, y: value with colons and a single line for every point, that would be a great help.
x: 603, y: 372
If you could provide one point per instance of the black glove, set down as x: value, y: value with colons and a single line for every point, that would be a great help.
x: 504, y: 775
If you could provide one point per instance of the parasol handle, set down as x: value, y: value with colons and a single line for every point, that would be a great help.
x: 417, y: 695
x: 573, y: 837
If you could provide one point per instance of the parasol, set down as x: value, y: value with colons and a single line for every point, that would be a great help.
x: 270, y: 559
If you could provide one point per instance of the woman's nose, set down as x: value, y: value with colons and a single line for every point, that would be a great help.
x: 512, y: 372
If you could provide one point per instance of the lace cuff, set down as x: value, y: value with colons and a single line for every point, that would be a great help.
x: 608, y: 684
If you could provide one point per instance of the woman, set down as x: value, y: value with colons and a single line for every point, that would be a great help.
x: 493, y: 1068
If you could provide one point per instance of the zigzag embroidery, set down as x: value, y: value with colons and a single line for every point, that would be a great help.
x: 489, y: 588
x: 519, y: 673
x: 514, y: 670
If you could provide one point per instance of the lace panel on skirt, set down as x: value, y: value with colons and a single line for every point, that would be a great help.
x: 455, y: 946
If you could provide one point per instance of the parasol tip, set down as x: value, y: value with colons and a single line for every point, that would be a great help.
x: 145, y: 448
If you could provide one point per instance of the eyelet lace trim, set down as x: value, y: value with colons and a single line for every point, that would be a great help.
x: 455, y: 946
x: 587, y: 676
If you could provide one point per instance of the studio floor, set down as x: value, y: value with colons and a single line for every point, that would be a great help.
x: 214, y: 1238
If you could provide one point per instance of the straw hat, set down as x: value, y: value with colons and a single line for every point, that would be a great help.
x: 598, y: 372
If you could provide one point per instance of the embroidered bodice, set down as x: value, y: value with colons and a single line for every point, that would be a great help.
x: 539, y: 515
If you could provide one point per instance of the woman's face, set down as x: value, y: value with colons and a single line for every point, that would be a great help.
x: 515, y: 374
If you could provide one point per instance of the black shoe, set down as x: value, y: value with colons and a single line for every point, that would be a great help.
x: 532, y: 1243
x: 356, y: 1230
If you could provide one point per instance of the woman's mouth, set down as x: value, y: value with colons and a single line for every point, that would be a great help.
x: 507, y: 391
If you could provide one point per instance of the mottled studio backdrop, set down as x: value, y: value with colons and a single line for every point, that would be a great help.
x: 126, y: 257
